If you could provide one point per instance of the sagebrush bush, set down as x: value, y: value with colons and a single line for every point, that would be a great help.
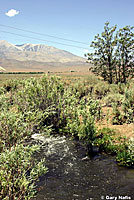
x: 4, y: 102
x: 11, y: 85
x: 113, y: 98
x: 128, y: 105
x: 18, y: 172
x: 53, y: 100
x: 124, y: 114
x: 2, y: 90
x: 122, y: 87
x: 13, y: 128
x: 101, y: 90
x: 118, y: 117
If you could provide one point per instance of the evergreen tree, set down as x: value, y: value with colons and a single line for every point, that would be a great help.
x: 113, y: 56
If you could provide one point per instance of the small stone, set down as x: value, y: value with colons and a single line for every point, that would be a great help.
x: 85, y: 158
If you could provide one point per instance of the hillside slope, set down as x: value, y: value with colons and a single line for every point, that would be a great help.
x: 37, y: 57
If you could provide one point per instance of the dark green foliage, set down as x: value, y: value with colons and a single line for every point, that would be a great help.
x: 102, y: 58
x: 125, y: 155
x: 81, y: 125
x: 124, y: 53
x: 106, y: 140
x: 113, y: 58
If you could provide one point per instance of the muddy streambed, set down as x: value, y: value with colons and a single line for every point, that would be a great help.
x: 73, y: 176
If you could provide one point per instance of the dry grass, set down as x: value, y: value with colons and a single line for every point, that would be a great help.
x: 7, y: 77
x: 122, y: 130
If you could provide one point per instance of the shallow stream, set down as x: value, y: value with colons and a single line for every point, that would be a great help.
x: 73, y: 176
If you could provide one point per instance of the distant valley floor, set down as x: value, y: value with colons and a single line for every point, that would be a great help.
x: 33, y: 66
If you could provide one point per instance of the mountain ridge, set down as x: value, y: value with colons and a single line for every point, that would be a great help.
x: 39, y: 54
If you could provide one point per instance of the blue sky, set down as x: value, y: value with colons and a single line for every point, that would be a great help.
x: 77, y: 20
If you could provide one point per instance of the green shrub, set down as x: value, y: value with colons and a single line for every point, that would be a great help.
x: 11, y: 85
x: 113, y: 98
x: 126, y: 112
x: 114, y: 89
x: 18, y: 172
x: 80, y: 123
x: 101, y: 90
x: 125, y: 156
x: 42, y: 105
x: 4, y: 102
x: 110, y: 143
x: 44, y: 96
x: 122, y: 87
x: 49, y: 97
x: 106, y: 140
x: 118, y: 118
x: 94, y: 108
x: 93, y: 80
x: 47, y: 105
x: 13, y: 128
x: 2, y: 90
x: 128, y: 105
x: 83, y: 89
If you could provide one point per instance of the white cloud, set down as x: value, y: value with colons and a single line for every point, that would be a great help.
x: 86, y: 51
x: 12, y: 13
